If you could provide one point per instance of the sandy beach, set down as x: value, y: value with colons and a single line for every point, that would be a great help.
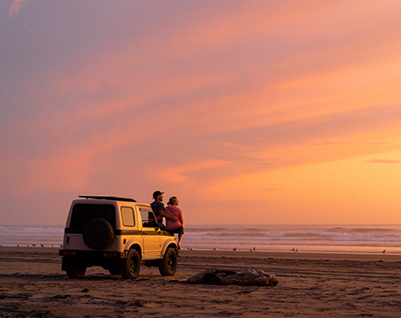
x: 310, y: 285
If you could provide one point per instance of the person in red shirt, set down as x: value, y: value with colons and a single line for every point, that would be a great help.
x: 173, y: 226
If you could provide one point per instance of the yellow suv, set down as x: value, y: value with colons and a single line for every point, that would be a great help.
x: 118, y: 234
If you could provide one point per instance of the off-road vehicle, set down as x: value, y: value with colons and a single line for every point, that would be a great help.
x: 118, y: 234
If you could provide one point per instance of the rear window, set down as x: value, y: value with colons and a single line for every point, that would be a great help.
x: 83, y: 213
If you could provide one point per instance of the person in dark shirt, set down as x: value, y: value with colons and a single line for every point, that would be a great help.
x: 158, y: 209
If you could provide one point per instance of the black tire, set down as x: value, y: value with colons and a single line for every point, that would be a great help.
x: 75, y: 272
x: 131, y: 265
x: 98, y: 234
x: 114, y: 271
x: 168, y: 265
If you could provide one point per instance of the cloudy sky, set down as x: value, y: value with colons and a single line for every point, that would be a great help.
x: 276, y: 112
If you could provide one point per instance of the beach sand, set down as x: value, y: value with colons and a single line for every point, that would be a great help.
x: 310, y: 285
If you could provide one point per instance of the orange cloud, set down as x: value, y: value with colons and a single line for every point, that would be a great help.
x: 233, y: 100
x: 16, y: 6
x: 386, y: 161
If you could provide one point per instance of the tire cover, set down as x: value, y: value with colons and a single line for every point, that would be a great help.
x: 98, y: 234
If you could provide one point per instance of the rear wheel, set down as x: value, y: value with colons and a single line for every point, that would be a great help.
x: 168, y: 265
x: 131, y: 265
x: 74, y: 271
x: 114, y: 270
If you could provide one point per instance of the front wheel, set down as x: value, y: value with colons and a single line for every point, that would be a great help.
x: 168, y: 265
x: 131, y: 265
x: 76, y: 271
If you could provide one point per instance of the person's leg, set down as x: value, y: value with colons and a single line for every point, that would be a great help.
x: 180, y: 236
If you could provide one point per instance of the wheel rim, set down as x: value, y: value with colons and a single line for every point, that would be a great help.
x: 80, y: 272
x: 170, y: 262
x: 132, y: 265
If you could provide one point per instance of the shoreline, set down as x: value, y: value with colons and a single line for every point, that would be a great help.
x: 324, y: 238
x: 363, y: 257
x: 297, y: 255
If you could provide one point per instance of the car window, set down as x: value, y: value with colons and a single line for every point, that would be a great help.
x: 148, y: 218
x: 127, y: 214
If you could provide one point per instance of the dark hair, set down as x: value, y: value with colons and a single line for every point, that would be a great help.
x: 172, y: 200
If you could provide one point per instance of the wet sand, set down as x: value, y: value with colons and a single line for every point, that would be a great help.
x: 310, y: 285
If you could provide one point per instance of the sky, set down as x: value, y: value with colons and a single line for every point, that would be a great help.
x: 250, y: 112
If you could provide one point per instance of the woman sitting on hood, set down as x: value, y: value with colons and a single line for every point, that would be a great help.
x: 172, y: 209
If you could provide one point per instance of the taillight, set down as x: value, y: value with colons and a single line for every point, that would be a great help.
x: 68, y: 253
x: 110, y: 254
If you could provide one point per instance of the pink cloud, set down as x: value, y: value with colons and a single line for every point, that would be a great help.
x: 16, y: 6
x: 194, y: 101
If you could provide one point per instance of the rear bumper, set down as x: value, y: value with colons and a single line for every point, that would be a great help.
x: 90, y: 258
x: 91, y: 254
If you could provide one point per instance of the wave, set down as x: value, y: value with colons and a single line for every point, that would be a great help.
x: 371, y: 230
x: 307, y: 236
x: 264, y: 237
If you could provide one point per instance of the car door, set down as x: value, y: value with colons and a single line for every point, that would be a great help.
x: 151, y: 235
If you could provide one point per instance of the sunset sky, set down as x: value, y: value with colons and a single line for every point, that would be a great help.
x: 251, y: 112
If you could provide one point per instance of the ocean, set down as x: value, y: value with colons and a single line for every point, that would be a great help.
x: 366, y: 239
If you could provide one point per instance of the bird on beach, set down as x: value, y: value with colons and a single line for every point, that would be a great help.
x: 215, y: 249
x: 254, y: 249
x: 293, y: 249
x: 17, y: 245
x: 42, y: 245
x: 234, y: 249
x: 33, y: 244
x: 384, y: 251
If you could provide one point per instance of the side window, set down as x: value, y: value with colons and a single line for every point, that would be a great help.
x: 128, y: 216
x: 148, y: 218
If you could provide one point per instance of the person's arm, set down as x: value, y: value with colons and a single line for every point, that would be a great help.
x: 181, y: 217
x: 168, y: 216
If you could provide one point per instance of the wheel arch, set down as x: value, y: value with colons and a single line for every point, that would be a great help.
x: 134, y: 244
x: 167, y: 244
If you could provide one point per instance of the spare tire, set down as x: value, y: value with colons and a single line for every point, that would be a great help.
x: 98, y: 234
